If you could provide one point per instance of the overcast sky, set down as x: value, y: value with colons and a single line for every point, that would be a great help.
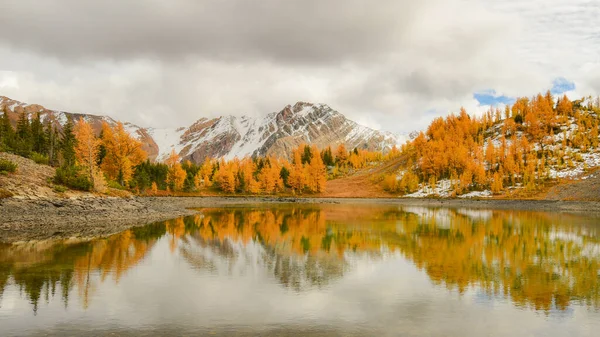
x: 389, y: 64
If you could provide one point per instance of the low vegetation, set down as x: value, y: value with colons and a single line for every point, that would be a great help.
x: 7, y: 166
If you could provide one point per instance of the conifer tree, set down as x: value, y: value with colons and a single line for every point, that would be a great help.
x: 176, y: 176
x: 24, y: 141
x: 7, y: 134
x: 86, y: 150
x: 67, y: 144
x: 316, y: 173
x: 40, y: 143
x: 341, y: 155
x: 52, y: 141
x: 123, y: 153
x: 327, y: 157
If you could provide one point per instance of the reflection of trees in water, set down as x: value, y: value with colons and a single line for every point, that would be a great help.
x: 40, y: 272
x: 535, y: 259
x: 538, y: 260
x: 296, y: 245
x: 299, y: 273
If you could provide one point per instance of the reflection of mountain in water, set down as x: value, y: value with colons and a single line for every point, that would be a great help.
x: 537, y: 260
x: 294, y: 245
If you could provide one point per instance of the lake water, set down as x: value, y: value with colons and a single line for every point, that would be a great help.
x: 324, y: 270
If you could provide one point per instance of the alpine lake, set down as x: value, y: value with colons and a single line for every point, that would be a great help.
x: 316, y: 270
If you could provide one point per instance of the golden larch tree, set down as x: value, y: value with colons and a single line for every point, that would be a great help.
x: 123, y: 153
x: 317, y: 173
x: 86, y: 152
x: 176, y: 175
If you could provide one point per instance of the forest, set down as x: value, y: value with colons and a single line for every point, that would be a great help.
x: 114, y: 159
x: 522, y: 146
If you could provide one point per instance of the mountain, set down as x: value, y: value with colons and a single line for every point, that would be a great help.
x: 275, y: 134
x: 59, y: 118
x: 230, y: 136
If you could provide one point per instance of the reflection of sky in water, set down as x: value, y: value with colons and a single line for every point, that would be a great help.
x: 198, y: 287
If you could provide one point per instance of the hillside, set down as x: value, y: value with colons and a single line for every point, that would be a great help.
x: 230, y: 136
x: 58, y: 118
x: 539, y: 147
x: 363, y: 183
x: 32, y: 181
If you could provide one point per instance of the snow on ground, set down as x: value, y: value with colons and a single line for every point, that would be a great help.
x: 477, y: 194
x: 167, y: 140
x: 251, y: 139
x: 306, y: 110
x: 61, y: 117
x: 442, y: 189
x: 590, y: 159
x: 132, y: 129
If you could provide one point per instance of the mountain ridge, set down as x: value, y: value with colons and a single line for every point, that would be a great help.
x: 231, y: 136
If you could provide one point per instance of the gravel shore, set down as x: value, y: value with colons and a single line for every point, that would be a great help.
x: 25, y: 220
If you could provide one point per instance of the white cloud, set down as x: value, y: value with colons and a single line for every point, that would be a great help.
x: 395, y: 66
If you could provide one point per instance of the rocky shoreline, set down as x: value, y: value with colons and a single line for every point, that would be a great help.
x: 25, y: 220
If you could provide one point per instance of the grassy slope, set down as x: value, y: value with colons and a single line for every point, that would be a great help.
x: 361, y: 184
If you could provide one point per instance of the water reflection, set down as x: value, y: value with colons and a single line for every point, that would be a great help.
x: 40, y: 269
x: 540, y: 261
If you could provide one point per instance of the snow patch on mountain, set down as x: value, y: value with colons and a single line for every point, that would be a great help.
x: 166, y: 140
x: 230, y: 136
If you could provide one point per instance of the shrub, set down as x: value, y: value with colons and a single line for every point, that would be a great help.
x: 518, y: 119
x: 7, y: 166
x: 59, y: 189
x: 72, y: 178
x: 115, y: 185
x: 39, y: 158
x: 390, y: 183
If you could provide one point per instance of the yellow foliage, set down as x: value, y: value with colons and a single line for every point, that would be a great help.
x: 123, y: 152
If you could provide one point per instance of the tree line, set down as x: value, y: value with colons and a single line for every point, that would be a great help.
x: 83, y: 160
x: 306, y: 172
x: 514, y: 147
x: 90, y: 162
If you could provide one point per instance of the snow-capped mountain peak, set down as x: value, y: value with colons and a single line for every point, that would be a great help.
x: 232, y: 136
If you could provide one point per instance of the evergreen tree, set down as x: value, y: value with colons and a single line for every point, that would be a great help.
x: 24, y: 143
x: 102, y: 148
x: 327, y: 157
x: 40, y: 144
x: 284, y: 173
x: 306, y: 155
x: 52, y: 142
x: 7, y: 134
x: 67, y: 144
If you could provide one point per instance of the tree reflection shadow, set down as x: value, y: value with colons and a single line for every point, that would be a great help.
x: 544, y: 261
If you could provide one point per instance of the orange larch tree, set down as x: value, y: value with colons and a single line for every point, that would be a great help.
x: 86, y: 153
x: 176, y: 175
x: 123, y: 152
x: 317, y: 173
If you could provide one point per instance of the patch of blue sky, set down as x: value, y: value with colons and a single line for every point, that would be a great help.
x: 561, y: 85
x: 490, y: 97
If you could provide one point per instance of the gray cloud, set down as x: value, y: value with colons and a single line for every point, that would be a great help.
x: 392, y: 64
x: 283, y: 31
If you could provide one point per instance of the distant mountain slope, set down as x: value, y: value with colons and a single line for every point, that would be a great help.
x: 275, y: 134
x: 230, y: 136
x: 59, y: 118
